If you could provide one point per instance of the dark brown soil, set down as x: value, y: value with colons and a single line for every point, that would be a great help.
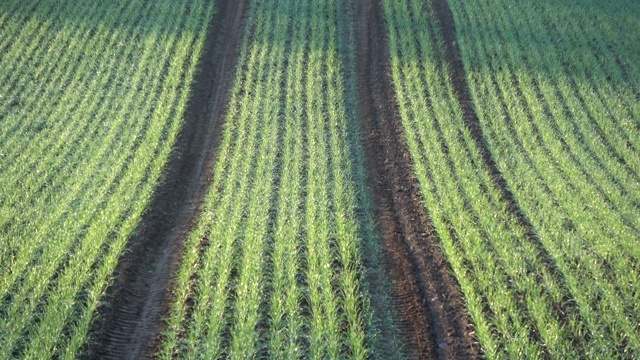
x: 433, y: 319
x: 131, y: 321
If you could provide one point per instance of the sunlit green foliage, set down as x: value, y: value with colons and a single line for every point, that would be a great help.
x: 273, y: 268
x: 92, y: 96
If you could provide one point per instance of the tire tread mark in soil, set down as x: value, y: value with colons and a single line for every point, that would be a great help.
x: 433, y: 319
x: 131, y: 321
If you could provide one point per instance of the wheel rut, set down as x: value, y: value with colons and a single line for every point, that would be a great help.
x: 131, y: 321
x: 433, y: 320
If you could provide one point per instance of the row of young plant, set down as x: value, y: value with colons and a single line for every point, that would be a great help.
x: 515, y: 297
x: 92, y: 96
x: 561, y: 119
x: 273, y: 268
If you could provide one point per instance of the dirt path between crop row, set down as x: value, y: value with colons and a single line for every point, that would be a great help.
x: 433, y: 319
x: 131, y: 321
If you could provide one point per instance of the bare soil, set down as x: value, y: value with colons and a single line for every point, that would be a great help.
x: 433, y: 320
x: 132, y: 319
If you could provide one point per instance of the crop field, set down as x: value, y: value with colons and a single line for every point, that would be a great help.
x: 535, y: 195
x: 273, y: 267
x: 320, y: 179
x: 91, y: 98
x: 567, y: 144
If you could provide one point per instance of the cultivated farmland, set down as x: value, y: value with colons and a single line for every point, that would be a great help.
x: 567, y: 145
x: 91, y: 101
x: 274, y: 265
x: 319, y: 179
x: 530, y: 176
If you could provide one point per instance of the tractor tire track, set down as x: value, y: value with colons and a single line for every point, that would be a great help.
x: 433, y: 320
x: 131, y: 321
x: 462, y: 92
x: 453, y: 59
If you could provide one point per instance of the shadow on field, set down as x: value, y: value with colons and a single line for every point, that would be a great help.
x: 612, y: 42
x: 128, y: 16
x: 588, y: 42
